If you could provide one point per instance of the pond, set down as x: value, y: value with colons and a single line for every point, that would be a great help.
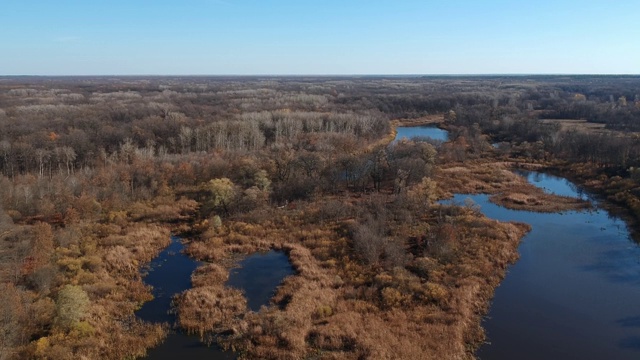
x: 575, y: 290
x: 426, y: 131
x: 259, y: 275
x: 170, y: 273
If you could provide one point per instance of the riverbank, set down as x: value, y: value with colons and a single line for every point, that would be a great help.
x: 619, y: 195
x: 435, y: 119
x: 337, y: 307
x: 497, y: 178
x: 433, y: 271
x: 576, y: 279
x: 435, y: 275
x: 417, y: 290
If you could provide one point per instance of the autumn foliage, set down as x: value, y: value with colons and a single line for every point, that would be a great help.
x: 96, y: 173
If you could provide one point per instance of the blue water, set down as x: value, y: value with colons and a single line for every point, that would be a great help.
x: 426, y: 131
x: 259, y: 275
x: 170, y: 273
x: 575, y: 291
x: 553, y: 184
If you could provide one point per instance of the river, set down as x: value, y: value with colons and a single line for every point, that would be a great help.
x: 170, y: 273
x: 573, y: 294
x: 575, y: 291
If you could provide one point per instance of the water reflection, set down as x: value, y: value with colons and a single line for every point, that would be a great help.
x: 573, y: 294
x: 631, y: 321
x: 632, y: 342
x: 553, y: 184
x: 259, y: 275
x: 427, y: 132
x: 170, y: 274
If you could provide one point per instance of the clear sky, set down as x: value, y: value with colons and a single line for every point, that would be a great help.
x: 244, y: 37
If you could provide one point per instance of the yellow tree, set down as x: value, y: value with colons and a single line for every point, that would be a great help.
x: 223, y: 193
x: 424, y: 194
x: 71, y: 306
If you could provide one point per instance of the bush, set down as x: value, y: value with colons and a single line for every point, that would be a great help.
x: 71, y: 306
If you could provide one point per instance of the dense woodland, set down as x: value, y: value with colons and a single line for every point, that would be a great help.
x: 96, y: 172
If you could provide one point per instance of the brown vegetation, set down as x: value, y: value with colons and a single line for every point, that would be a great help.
x: 84, y: 288
x: 506, y: 187
x: 93, y: 171
x: 432, y: 119
x: 576, y: 125
x: 343, y: 305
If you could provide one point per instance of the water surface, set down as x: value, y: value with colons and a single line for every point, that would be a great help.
x: 575, y: 291
x: 553, y: 184
x: 259, y: 275
x: 170, y: 274
x: 426, y: 131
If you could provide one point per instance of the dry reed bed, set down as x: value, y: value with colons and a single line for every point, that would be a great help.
x: 507, y: 188
x: 423, y: 120
x: 103, y: 261
x: 335, y: 307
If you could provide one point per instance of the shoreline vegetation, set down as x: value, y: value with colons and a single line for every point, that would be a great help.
x: 329, y: 315
x: 336, y: 307
x: 507, y: 189
x: 95, y: 174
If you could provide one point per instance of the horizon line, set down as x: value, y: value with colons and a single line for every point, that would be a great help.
x: 324, y: 75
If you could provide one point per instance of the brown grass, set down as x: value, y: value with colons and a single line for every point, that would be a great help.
x: 335, y: 307
x: 507, y: 188
x: 104, y: 260
x: 423, y: 120
x: 580, y: 125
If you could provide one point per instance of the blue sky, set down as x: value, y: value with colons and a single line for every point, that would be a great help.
x: 220, y: 37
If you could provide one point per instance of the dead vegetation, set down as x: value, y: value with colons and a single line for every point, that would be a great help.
x: 577, y: 125
x: 94, y: 318
x: 506, y: 187
x: 303, y: 166
x: 433, y: 119
x: 425, y: 303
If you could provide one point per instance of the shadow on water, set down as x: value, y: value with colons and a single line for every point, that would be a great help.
x: 573, y: 294
x: 170, y: 274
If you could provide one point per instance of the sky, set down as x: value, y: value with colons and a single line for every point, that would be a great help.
x: 318, y: 37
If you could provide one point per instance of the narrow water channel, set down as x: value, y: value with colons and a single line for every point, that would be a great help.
x: 575, y: 291
x: 170, y: 273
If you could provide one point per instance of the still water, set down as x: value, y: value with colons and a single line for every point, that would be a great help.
x: 426, y: 131
x: 575, y: 291
x: 258, y: 276
x: 553, y: 184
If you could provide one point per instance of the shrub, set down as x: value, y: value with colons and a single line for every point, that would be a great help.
x: 71, y: 306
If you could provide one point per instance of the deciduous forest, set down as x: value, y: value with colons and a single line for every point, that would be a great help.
x: 96, y: 173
